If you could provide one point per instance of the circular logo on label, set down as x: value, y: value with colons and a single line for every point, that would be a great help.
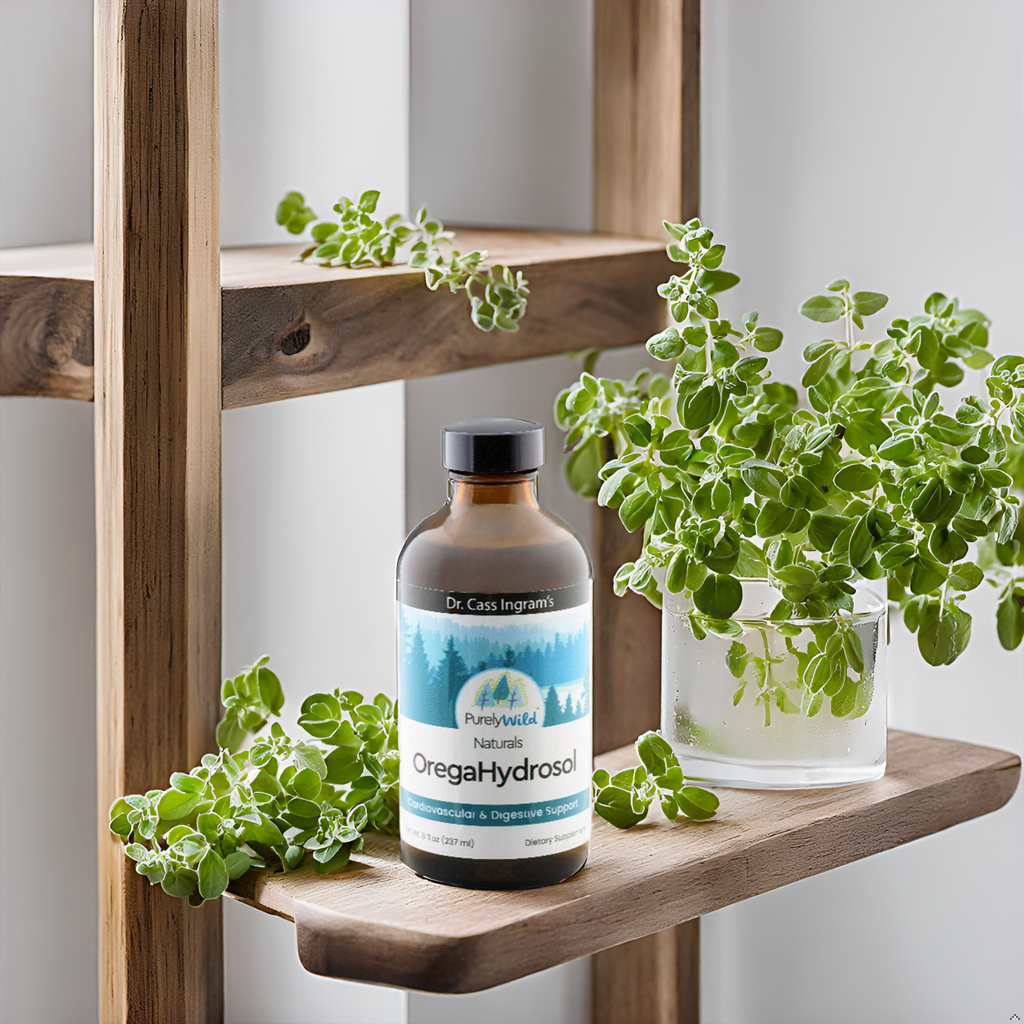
x: 500, y: 697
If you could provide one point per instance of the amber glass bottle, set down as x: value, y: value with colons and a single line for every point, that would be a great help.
x: 494, y: 635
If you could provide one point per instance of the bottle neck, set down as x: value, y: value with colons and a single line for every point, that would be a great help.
x: 466, y: 489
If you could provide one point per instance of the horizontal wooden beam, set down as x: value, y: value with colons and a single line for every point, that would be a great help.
x: 46, y: 322
x: 379, y: 922
x: 291, y: 329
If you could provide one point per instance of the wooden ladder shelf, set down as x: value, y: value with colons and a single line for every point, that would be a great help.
x: 174, y: 340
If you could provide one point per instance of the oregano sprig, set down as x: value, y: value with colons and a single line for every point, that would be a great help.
x: 249, y: 700
x: 283, y: 802
x: 623, y: 799
x: 497, y: 295
x: 276, y: 803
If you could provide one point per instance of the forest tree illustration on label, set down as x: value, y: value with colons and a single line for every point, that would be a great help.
x: 520, y: 672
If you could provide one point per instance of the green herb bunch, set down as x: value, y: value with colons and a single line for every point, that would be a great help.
x: 356, y: 239
x: 863, y: 476
x: 274, y: 803
x: 623, y: 799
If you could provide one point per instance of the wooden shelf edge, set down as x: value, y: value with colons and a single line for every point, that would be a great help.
x: 379, y: 923
x: 292, y: 329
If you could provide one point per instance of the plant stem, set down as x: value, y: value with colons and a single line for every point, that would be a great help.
x: 767, y: 657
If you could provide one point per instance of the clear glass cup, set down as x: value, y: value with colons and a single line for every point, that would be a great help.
x: 739, y: 711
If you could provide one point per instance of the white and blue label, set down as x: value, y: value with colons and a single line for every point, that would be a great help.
x: 495, y: 727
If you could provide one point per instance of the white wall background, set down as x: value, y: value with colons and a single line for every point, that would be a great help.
x: 313, y: 488
x: 46, y: 125
x: 884, y: 142
x: 47, y: 550
x: 501, y: 112
x: 878, y: 139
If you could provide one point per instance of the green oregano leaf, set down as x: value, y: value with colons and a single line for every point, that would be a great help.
x: 694, y: 802
x: 823, y: 308
x: 856, y: 476
x: 944, y: 632
x: 213, y: 875
x: 1010, y: 620
x: 617, y: 806
x: 719, y: 596
x: 867, y: 303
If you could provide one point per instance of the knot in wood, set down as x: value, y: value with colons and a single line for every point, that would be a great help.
x: 296, y: 340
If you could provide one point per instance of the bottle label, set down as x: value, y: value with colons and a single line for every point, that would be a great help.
x: 495, y: 728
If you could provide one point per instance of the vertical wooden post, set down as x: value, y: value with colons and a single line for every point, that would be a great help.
x: 654, y: 979
x: 158, y: 401
x: 646, y: 170
x: 627, y: 643
x: 646, y: 114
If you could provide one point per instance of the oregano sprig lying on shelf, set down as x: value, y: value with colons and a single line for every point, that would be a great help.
x: 283, y: 802
x: 280, y: 802
x: 623, y: 799
x: 497, y: 296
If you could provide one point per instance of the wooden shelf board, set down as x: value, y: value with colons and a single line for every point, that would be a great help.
x: 355, y: 326
x: 378, y: 922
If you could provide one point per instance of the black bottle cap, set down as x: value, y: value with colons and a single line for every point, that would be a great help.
x: 492, y: 446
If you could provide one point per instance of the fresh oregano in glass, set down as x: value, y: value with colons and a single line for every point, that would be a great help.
x: 861, y: 476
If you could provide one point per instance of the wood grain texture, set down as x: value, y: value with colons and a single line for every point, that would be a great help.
x: 379, y: 922
x: 157, y: 315
x: 292, y: 329
x: 627, y: 642
x: 46, y: 317
x: 646, y: 114
x: 687, y: 966
x: 646, y: 170
x: 653, y: 980
x: 362, y: 328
